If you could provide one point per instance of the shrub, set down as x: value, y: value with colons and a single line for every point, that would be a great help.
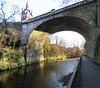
x: 11, y: 59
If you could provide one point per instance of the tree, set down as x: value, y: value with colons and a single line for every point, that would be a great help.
x: 62, y: 42
x: 46, y: 47
x: 66, y: 2
x: 78, y: 52
x: 4, y: 17
x: 15, y: 37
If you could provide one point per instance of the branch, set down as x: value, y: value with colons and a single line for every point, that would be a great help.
x: 66, y: 2
x: 15, y: 10
x: 2, y: 13
x: 11, y: 15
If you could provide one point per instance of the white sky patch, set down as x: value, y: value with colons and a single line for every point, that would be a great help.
x: 69, y: 37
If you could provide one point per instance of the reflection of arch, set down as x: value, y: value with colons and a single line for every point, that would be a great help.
x: 66, y: 23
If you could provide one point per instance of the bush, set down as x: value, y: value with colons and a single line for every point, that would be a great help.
x: 46, y: 48
x: 11, y: 59
x: 53, y: 52
x: 56, y: 57
x: 1, y: 55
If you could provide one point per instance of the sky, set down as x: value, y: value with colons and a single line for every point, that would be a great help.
x: 39, y: 7
x: 71, y: 38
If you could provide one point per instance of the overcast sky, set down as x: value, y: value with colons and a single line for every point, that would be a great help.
x: 69, y: 37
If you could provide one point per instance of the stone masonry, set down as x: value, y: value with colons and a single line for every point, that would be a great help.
x: 82, y: 17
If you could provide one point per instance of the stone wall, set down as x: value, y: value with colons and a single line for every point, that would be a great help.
x: 35, y: 49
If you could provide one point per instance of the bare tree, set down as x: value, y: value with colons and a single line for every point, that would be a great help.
x: 62, y: 42
x: 14, y: 37
x: 17, y: 37
x: 4, y: 17
x: 66, y: 2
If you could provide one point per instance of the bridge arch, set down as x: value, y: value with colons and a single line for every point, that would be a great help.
x: 82, y: 17
x: 56, y: 25
x: 66, y: 23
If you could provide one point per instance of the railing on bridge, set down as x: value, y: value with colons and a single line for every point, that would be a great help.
x: 60, y: 10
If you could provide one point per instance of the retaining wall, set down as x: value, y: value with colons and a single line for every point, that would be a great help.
x: 74, y: 81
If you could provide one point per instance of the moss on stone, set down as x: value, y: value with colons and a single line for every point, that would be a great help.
x: 35, y: 46
x: 97, y: 50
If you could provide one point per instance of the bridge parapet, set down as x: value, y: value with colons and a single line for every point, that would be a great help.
x: 73, y: 5
x: 60, y: 10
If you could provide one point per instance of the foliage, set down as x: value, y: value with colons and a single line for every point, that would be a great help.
x: 10, y: 39
x: 73, y: 52
x: 30, y: 43
x: 15, y: 37
x: 11, y: 59
x: 55, y: 52
x: 46, y: 47
x: 11, y: 55
x: 52, y: 58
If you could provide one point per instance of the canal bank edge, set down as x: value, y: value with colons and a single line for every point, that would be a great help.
x: 74, y: 81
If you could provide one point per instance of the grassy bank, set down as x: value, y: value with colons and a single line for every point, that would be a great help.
x: 53, y: 58
x: 11, y: 59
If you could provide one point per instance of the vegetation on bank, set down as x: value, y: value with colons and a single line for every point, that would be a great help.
x: 10, y: 36
x: 11, y: 59
x: 56, y: 52
x: 11, y: 54
x: 53, y: 52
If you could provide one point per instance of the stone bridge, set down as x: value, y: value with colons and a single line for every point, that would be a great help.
x: 82, y: 17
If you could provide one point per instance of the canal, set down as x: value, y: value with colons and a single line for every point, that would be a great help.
x: 44, y: 75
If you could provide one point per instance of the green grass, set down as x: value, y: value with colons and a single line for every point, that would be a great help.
x: 52, y: 58
x: 10, y: 59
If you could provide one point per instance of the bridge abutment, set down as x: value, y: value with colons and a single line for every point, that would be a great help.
x: 98, y: 13
x: 35, y: 50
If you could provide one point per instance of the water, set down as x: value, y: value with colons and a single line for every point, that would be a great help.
x: 43, y: 75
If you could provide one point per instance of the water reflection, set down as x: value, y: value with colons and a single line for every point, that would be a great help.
x: 43, y: 75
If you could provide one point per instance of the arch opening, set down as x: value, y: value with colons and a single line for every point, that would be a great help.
x: 66, y: 44
x: 70, y: 38
x: 66, y: 23
x: 56, y: 25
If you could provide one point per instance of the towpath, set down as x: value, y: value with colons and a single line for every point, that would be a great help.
x: 89, y: 74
